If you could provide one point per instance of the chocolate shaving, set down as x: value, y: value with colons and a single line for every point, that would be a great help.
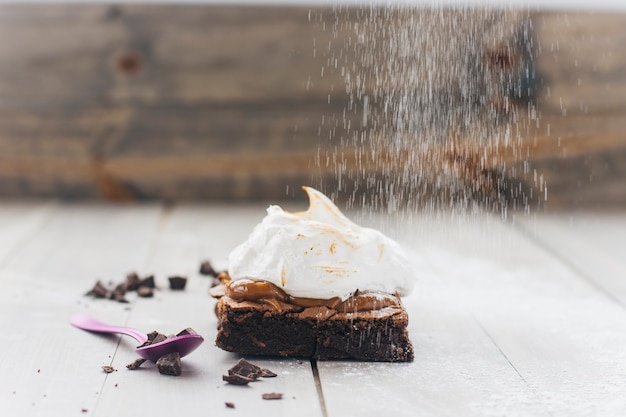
x: 170, y: 364
x: 266, y: 373
x: 229, y: 404
x: 272, y: 396
x: 177, y: 283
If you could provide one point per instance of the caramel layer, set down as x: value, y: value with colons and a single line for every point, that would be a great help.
x: 264, y: 291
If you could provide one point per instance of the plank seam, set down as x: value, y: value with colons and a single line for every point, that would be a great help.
x: 318, y: 387
x: 504, y: 355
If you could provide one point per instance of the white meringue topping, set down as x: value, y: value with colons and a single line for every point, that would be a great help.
x: 320, y: 253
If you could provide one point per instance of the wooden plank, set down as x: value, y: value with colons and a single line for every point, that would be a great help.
x: 19, y: 221
x: 187, y: 236
x: 55, y: 368
x: 159, y: 54
x: 592, y: 244
x: 556, y: 329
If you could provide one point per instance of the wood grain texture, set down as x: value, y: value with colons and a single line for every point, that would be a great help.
x: 136, y: 102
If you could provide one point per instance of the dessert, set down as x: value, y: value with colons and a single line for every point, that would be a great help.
x: 314, y: 284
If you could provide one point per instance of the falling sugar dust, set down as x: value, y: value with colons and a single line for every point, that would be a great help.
x: 439, y: 103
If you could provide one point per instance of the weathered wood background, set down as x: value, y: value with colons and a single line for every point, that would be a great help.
x: 175, y: 103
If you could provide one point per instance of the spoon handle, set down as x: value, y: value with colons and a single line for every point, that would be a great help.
x: 85, y: 322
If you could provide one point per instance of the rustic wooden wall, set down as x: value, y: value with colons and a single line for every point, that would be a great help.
x: 229, y: 102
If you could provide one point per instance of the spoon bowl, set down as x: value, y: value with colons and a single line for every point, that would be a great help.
x: 183, y: 344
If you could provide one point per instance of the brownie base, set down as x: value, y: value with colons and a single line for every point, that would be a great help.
x: 315, y: 332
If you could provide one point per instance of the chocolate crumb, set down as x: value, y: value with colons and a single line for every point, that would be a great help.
x: 266, y: 373
x: 115, y: 385
x: 272, y: 396
x: 207, y: 269
x: 83, y: 410
x: 145, y: 292
x: 136, y: 364
x: 229, y: 404
x: 177, y: 283
x: 236, y: 379
x: 170, y: 364
x: 108, y: 369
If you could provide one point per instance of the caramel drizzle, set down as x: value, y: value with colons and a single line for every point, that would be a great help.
x: 265, y: 292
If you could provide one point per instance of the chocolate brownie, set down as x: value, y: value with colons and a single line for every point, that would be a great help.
x: 279, y: 325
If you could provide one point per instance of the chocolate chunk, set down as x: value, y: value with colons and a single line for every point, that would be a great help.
x: 207, y: 269
x: 151, y: 337
x: 229, y: 404
x: 246, y: 369
x: 154, y: 337
x: 266, y: 373
x: 272, y: 396
x: 188, y: 330
x: 121, y: 288
x: 132, y: 281
x: 237, y: 379
x: 177, y: 283
x: 145, y: 292
x: 119, y: 298
x: 136, y: 364
x: 108, y: 369
x: 98, y: 290
x: 147, y: 282
x: 160, y: 337
x: 170, y: 364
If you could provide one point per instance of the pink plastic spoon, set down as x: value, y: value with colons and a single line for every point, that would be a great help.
x: 184, y: 344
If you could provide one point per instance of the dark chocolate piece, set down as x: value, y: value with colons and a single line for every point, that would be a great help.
x: 272, y: 396
x: 98, y: 290
x: 207, y: 269
x: 266, y: 373
x: 147, y: 282
x: 229, y: 404
x: 177, y: 283
x: 170, y: 364
x: 237, y: 379
x: 246, y: 369
x: 132, y: 281
x: 135, y: 364
x: 188, y: 330
x: 108, y: 369
x: 160, y: 337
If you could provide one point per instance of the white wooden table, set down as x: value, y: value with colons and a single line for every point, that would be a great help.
x: 519, y: 317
